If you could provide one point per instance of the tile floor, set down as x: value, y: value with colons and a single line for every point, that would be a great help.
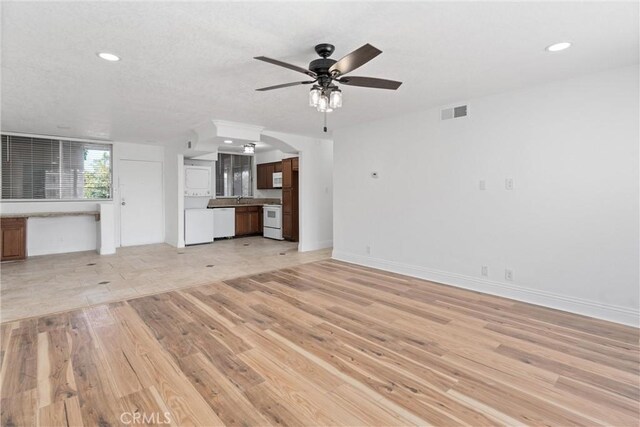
x: 53, y: 283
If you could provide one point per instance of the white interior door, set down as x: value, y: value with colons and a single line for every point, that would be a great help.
x: 141, y: 210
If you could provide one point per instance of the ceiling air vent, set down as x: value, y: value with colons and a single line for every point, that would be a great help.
x: 454, y: 112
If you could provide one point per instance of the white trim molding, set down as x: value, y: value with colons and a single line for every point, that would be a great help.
x: 613, y: 313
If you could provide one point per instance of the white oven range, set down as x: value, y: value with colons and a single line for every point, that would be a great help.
x: 272, y: 221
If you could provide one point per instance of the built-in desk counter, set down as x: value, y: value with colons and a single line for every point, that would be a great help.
x: 13, y: 230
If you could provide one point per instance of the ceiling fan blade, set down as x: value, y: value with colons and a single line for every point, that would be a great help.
x: 285, y: 65
x: 355, y: 59
x: 262, y: 89
x: 370, y: 82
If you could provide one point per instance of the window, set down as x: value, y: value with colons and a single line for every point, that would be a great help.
x: 234, y: 175
x: 55, y: 169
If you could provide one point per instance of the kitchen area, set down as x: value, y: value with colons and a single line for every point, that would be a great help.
x: 241, y: 194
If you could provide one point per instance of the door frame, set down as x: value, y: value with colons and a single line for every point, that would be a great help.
x: 118, y: 199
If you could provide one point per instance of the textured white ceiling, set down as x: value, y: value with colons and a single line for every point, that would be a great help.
x: 186, y: 63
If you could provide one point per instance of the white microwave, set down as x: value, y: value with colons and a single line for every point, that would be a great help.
x: 197, y: 181
x: 277, y: 180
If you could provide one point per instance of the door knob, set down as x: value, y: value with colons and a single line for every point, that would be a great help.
x: 123, y: 203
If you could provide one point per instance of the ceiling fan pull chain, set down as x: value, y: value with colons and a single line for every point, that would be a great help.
x: 325, y: 121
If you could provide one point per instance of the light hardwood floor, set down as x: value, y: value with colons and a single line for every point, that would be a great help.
x: 325, y: 343
x: 54, y: 283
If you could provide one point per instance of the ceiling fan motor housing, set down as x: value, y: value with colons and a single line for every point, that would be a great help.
x: 321, y: 66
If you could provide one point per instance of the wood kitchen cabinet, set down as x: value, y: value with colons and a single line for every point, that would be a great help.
x: 287, y: 173
x: 290, y: 226
x: 261, y: 180
x: 265, y: 173
x: 248, y: 220
x: 242, y: 224
x: 254, y: 221
x: 13, y: 238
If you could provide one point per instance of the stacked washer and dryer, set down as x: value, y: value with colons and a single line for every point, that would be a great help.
x: 198, y: 221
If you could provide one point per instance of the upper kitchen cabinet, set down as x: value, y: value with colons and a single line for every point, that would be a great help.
x: 265, y: 173
x: 262, y: 182
x: 287, y: 173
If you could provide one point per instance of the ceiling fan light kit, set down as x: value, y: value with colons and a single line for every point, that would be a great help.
x: 325, y: 95
x: 249, y: 148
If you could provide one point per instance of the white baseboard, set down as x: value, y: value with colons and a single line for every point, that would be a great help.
x: 623, y: 315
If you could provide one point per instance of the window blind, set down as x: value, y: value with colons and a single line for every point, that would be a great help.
x: 55, y: 169
x: 234, y: 175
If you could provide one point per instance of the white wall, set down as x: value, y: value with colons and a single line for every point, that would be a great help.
x: 569, y: 228
x: 61, y: 234
x: 174, y: 196
x: 315, y: 180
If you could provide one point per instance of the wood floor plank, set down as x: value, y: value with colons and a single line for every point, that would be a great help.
x: 297, y: 392
x: 209, y: 321
x: 622, y: 361
x: 142, y: 407
x: 187, y: 406
x: 224, y: 396
x: 97, y: 399
x: 61, y: 413
x: 631, y: 391
x: 56, y: 381
x: 325, y: 343
x: 19, y: 373
x: 20, y: 409
x: 268, y: 402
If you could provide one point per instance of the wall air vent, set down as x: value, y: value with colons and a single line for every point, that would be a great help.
x: 454, y: 112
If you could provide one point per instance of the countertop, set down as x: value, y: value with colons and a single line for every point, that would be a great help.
x: 49, y: 214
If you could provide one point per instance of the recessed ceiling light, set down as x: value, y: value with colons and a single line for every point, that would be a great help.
x: 108, y: 56
x: 557, y: 47
x: 228, y: 141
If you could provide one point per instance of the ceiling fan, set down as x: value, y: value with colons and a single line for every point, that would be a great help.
x: 325, y: 95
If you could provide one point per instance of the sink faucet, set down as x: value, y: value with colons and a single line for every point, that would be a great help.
x: 238, y: 199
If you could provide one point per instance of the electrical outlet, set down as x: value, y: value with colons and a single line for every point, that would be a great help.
x: 508, y: 183
x: 508, y: 275
x: 484, y: 271
x: 482, y: 185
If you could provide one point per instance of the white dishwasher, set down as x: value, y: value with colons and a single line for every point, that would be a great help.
x: 198, y: 226
x: 224, y: 222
